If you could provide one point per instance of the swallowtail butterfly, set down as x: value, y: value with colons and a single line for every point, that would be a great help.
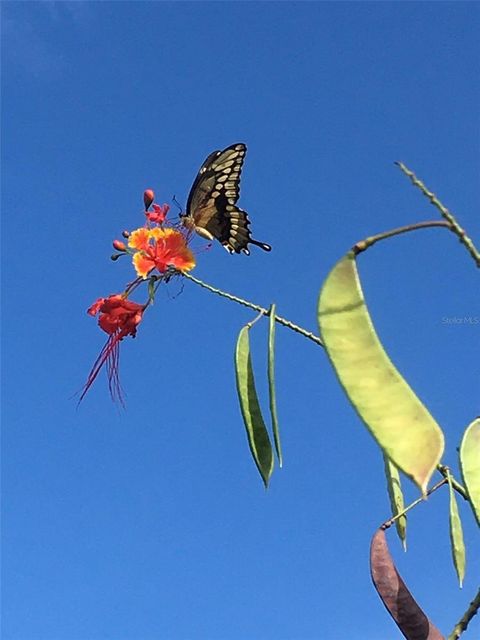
x: 212, y: 203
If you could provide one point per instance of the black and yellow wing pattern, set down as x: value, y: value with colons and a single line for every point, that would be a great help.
x: 212, y: 203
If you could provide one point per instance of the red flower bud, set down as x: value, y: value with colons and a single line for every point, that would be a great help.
x: 126, y: 233
x: 119, y: 245
x: 148, y: 198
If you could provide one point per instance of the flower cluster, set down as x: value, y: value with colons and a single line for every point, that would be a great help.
x: 158, y: 251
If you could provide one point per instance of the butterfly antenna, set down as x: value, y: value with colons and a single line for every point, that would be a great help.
x: 175, y: 201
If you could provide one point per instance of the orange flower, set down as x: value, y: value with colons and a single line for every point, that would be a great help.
x: 118, y: 317
x: 158, y: 249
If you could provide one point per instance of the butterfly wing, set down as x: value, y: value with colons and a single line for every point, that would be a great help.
x: 211, y: 207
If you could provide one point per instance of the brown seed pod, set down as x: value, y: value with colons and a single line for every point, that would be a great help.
x: 398, y: 600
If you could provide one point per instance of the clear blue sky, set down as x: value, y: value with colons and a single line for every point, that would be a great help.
x: 152, y: 523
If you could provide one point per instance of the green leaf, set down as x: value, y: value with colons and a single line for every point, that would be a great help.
x: 271, y: 384
x: 396, y: 499
x: 456, y: 534
x: 257, y: 434
x: 396, y: 418
x: 470, y: 464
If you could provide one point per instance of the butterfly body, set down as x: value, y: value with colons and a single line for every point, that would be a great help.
x: 212, y: 210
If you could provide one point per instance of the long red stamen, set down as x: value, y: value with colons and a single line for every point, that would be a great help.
x: 113, y: 374
x: 108, y: 353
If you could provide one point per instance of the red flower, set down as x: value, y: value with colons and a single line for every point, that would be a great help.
x: 158, y: 214
x: 118, y: 317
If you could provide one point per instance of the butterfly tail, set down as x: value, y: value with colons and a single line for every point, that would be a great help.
x: 262, y: 245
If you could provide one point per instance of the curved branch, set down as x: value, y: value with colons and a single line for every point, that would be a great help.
x: 266, y: 312
x: 464, y: 621
x: 444, y: 212
x: 362, y: 245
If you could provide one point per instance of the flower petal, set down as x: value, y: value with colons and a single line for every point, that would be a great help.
x: 138, y: 239
x: 171, y: 249
x: 159, y: 234
x: 143, y: 264
x: 184, y: 261
x: 95, y: 307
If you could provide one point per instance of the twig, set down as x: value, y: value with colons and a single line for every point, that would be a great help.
x: 445, y: 213
x: 266, y: 312
x: 388, y: 523
x: 444, y: 470
x: 256, y: 319
x: 358, y: 247
x: 462, y: 624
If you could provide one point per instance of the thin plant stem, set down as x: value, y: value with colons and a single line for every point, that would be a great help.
x: 265, y: 312
x: 358, y: 247
x: 444, y: 212
x: 462, y: 624
x: 445, y: 471
x: 131, y: 286
x: 388, y: 523
x: 256, y: 319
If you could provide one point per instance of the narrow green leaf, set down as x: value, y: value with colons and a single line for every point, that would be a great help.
x: 456, y: 534
x: 396, y: 418
x: 396, y: 499
x: 470, y: 464
x: 257, y: 434
x: 271, y: 384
